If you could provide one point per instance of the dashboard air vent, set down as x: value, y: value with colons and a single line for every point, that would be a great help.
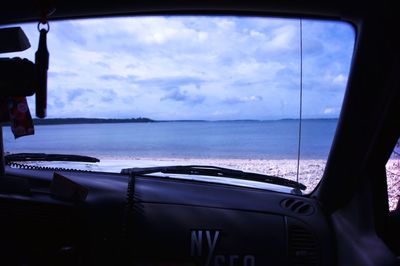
x: 298, y: 206
x: 303, y: 248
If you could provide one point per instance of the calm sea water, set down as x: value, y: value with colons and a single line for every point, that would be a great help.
x: 231, y: 139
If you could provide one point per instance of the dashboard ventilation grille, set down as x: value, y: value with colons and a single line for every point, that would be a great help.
x: 298, y: 206
x: 303, y: 248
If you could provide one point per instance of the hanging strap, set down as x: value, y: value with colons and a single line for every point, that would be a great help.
x: 42, y: 65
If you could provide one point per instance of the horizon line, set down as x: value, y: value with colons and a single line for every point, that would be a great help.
x: 146, y: 119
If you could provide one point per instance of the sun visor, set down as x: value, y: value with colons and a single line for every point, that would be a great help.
x: 13, y: 40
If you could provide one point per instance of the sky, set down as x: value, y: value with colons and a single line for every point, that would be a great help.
x: 188, y: 67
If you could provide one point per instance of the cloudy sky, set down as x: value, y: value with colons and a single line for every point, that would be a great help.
x: 209, y: 68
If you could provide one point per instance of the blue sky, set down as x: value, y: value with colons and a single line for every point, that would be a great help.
x: 194, y: 67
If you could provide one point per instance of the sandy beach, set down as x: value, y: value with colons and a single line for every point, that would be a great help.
x: 393, y: 181
x: 310, y: 170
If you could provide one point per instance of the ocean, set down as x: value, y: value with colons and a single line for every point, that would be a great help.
x: 196, y: 139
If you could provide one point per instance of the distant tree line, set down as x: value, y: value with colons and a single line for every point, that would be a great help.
x: 63, y: 121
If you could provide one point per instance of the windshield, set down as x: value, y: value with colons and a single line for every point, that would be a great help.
x: 200, y: 90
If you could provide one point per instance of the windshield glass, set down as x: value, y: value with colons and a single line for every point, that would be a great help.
x: 203, y: 90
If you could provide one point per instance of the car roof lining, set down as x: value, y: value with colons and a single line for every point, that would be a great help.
x: 21, y: 11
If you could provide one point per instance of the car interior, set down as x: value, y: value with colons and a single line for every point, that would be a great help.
x: 56, y: 216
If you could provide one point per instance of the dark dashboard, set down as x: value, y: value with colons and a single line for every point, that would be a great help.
x: 158, y: 221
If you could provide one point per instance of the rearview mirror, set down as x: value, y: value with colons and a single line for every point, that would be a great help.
x: 13, y: 40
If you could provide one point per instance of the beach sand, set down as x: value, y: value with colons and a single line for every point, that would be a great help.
x: 393, y: 182
x: 310, y: 170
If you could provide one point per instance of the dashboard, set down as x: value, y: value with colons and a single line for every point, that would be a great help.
x: 150, y: 220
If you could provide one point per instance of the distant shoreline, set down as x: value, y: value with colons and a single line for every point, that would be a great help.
x: 69, y: 121
x: 77, y: 121
x: 73, y: 121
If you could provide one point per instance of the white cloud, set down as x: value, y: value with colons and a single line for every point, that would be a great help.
x: 340, y: 79
x: 285, y: 38
x: 257, y: 34
x: 253, y: 98
x: 329, y: 111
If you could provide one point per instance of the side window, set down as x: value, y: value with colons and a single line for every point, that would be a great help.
x: 393, y: 177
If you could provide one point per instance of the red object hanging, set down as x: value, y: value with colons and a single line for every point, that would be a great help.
x: 16, y: 111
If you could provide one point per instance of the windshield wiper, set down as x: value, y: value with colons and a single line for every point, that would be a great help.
x: 19, y: 157
x: 213, y: 171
